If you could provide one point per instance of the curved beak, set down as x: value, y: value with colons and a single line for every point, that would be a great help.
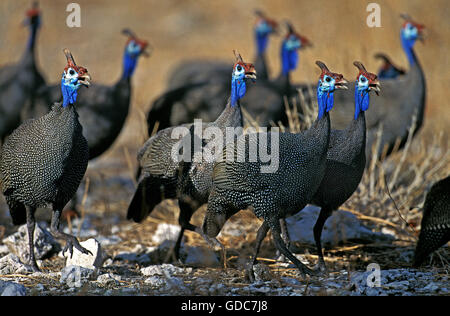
x: 306, y: 43
x: 250, y: 73
x: 147, y: 51
x: 341, y: 84
x: 375, y: 86
x: 85, y: 80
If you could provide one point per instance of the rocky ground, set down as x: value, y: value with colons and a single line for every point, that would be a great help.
x: 129, y: 260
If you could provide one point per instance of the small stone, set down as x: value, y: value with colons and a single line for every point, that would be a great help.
x: 44, y: 243
x: 11, y: 264
x: 165, y: 231
x: 14, y: 289
x: 108, y: 279
x: 164, y: 269
x: 4, y: 250
x: 76, y: 276
x: 201, y: 257
x: 262, y: 273
x: 155, y: 281
x: 108, y: 240
x: 87, y: 260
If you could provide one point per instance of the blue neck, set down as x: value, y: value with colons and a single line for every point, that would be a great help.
x: 262, y: 39
x: 32, y: 38
x: 69, y: 93
x: 238, y: 89
x: 362, y: 99
x: 289, y: 59
x: 129, y: 64
x: 325, y: 100
x: 408, y: 45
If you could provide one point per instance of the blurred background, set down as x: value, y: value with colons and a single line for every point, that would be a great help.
x: 180, y: 30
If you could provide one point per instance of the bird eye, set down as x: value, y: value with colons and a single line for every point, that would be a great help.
x: 327, y: 79
x: 363, y: 79
x: 71, y: 72
x: 239, y: 68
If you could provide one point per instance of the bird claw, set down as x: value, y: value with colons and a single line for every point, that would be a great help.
x: 70, y: 243
x: 320, y: 268
x: 250, y: 273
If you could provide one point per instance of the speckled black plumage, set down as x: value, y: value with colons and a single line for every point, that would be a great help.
x: 346, y: 159
x: 43, y: 162
x: 161, y: 178
x: 272, y: 196
x: 435, y: 226
x: 188, y: 181
x: 102, y: 111
x: 240, y: 182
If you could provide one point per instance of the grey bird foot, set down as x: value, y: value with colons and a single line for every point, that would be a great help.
x: 34, y: 267
x: 304, y: 271
x: 321, y: 268
x: 250, y: 273
x: 73, y: 242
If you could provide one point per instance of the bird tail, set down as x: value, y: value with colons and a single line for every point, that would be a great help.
x: 161, y: 109
x: 149, y: 193
x: 17, y: 210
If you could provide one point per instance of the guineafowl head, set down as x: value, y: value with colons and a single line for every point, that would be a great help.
x: 365, y: 82
x: 411, y: 32
x: 328, y: 83
x: 134, y: 48
x: 289, y: 49
x: 72, y: 79
x: 242, y: 71
x: 33, y: 19
x: 264, y: 27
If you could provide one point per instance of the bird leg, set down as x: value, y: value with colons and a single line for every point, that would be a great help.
x: 262, y: 232
x: 212, y: 224
x: 318, y: 227
x: 31, y: 224
x: 71, y: 241
x: 187, y: 209
x: 279, y: 243
x: 286, y: 238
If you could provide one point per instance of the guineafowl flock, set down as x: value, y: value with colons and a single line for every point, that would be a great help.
x: 199, y: 152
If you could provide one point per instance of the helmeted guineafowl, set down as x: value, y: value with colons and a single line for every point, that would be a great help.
x: 197, y: 88
x: 264, y: 100
x: 162, y: 177
x: 395, y: 107
x: 43, y: 161
x: 195, y: 71
x: 103, y: 109
x: 435, y: 226
x: 285, y: 186
x: 388, y: 70
x: 346, y: 158
x: 19, y: 82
